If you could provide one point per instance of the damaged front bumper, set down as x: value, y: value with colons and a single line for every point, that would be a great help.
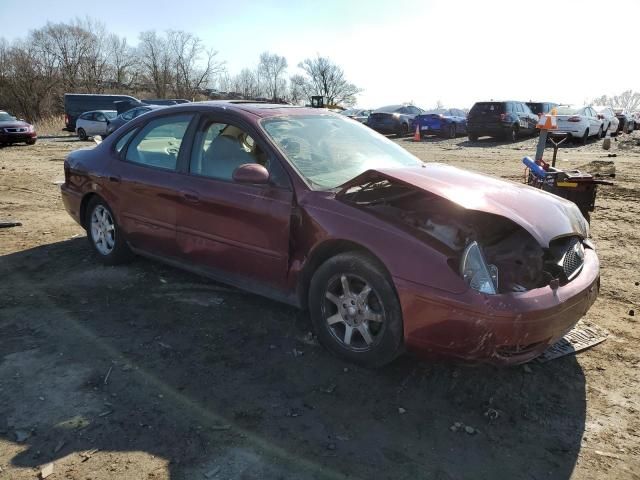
x: 505, y: 329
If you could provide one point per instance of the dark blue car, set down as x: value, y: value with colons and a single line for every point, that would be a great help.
x: 446, y: 123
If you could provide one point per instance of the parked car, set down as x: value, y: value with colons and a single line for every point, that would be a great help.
x: 579, y: 123
x: 94, y: 123
x: 541, y: 108
x: 509, y: 120
x: 75, y: 104
x: 627, y: 123
x: 396, y: 119
x: 361, y: 115
x: 636, y: 120
x: 313, y: 209
x: 610, y: 122
x: 117, y: 122
x: 13, y: 130
x: 447, y: 123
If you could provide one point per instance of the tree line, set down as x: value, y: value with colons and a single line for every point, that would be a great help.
x: 81, y: 56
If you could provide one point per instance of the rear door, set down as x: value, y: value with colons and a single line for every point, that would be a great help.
x: 99, y: 126
x: 531, y: 118
x: 144, y: 178
x: 238, y: 231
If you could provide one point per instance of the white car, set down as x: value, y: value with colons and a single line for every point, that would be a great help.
x: 93, y: 123
x: 609, y: 120
x: 579, y: 123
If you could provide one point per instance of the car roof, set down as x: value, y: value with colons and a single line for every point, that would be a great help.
x: 101, y: 111
x: 257, y: 109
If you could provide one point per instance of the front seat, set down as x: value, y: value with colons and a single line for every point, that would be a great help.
x: 223, y: 156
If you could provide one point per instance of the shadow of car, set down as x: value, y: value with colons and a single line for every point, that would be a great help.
x: 197, y: 384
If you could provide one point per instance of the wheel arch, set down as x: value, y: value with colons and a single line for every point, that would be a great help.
x: 323, y: 252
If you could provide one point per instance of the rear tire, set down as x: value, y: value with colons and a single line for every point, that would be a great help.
x: 601, y: 132
x: 363, y: 328
x: 82, y: 135
x: 105, y: 235
x: 404, y: 130
x: 585, y: 137
x: 473, y: 137
x: 451, y: 131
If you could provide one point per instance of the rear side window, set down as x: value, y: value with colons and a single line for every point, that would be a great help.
x: 158, y: 143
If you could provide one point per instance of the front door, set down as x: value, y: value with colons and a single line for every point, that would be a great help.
x: 239, y: 232
x: 144, y: 181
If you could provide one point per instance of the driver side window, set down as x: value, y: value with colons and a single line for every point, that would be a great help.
x: 220, y: 148
x: 158, y: 143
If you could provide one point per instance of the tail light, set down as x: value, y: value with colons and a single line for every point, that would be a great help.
x: 574, y: 119
x: 66, y: 119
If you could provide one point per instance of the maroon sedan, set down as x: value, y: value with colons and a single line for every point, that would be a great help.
x: 13, y: 130
x: 321, y: 212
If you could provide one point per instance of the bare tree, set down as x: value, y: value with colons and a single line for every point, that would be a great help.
x: 628, y: 100
x: 297, y: 89
x: 26, y: 79
x: 190, y: 75
x: 246, y: 84
x: 272, y: 68
x: 327, y: 79
x: 156, y: 62
x: 122, y: 62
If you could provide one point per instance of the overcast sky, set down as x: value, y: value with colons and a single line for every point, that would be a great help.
x: 454, y: 51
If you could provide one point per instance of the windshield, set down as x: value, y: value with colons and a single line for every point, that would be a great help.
x: 110, y: 114
x: 567, y: 110
x: 329, y: 150
x: 5, y: 117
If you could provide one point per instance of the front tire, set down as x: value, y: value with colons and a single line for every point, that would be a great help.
x: 473, y: 137
x: 105, y: 235
x: 512, y: 134
x: 404, y: 130
x: 355, y: 310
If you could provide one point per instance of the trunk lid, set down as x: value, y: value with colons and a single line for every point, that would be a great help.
x: 545, y: 216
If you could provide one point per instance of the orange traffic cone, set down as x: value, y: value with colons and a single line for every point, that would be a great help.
x: 416, y: 136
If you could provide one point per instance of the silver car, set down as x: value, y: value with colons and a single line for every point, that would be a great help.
x: 93, y: 123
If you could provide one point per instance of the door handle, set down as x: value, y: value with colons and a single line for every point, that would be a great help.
x: 190, y: 197
x: 114, y: 179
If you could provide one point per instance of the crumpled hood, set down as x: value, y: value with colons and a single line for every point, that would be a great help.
x: 545, y: 216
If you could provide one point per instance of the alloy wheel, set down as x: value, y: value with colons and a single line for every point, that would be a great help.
x: 103, y: 230
x: 353, y: 312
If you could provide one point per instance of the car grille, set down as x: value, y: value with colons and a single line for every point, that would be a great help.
x: 573, y: 258
x: 15, y: 130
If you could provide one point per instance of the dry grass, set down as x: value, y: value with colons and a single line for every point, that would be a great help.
x: 51, y: 125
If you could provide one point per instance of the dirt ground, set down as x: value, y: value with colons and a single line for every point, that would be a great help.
x: 146, y: 372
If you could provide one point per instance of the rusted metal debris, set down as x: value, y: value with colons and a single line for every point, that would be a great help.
x: 10, y: 224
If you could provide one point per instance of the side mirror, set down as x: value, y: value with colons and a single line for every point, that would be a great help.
x: 251, y: 173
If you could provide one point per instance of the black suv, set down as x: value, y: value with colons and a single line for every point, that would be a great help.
x: 508, y: 120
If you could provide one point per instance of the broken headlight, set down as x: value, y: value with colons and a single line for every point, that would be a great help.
x: 476, y: 272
